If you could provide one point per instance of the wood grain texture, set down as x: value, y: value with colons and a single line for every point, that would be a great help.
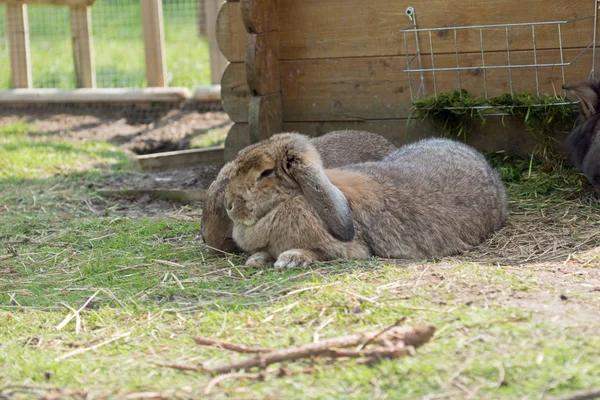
x: 17, y: 31
x: 509, y: 134
x: 355, y: 28
x: 83, y: 49
x: 262, y: 63
x: 237, y: 138
x: 235, y: 94
x: 154, y: 43
x: 264, y: 116
x: 260, y: 15
x: 231, y: 32
x: 377, y: 87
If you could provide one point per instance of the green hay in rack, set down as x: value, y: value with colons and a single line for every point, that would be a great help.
x: 454, y: 112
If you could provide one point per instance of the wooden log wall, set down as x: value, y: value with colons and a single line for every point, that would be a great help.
x: 339, y: 63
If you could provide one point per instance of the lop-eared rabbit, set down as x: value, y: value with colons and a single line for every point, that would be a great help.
x: 432, y: 198
x: 335, y: 148
x: 583, y: 143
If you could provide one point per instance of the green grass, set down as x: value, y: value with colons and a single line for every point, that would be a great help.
x: 118, y: 46
x: 158, y: 287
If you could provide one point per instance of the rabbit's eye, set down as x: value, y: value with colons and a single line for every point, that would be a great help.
x: 266, y: 173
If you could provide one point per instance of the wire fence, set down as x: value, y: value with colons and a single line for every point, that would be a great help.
x: 118, y: 45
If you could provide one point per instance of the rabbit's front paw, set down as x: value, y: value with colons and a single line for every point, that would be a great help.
x: 260, y: 259
x: 295, y: 258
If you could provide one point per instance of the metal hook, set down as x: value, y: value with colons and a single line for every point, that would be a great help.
x: 410, y: 12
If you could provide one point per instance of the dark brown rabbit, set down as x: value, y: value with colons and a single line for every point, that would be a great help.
x: 335, y: 148
x: 431, y: 198
x: 583, y: 143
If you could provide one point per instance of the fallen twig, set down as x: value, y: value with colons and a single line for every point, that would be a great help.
x: 396, y: 341
x: 181, y: 367
x: 587, y: 395
x: 239, y: 348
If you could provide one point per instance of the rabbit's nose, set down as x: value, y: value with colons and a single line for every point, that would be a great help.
x: 229, y: 206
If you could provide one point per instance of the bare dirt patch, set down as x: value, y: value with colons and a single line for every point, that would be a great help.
x: 183, y: 179
x: 140, y: 129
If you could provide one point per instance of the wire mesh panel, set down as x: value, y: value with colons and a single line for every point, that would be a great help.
x: 492, y: 59
x: 50, y: 43
x: 187, y: 51
x: 118, y: 44
x: 4, y: 61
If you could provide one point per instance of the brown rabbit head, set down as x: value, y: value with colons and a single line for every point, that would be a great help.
x: 587, y: 93
x: 278, y: 169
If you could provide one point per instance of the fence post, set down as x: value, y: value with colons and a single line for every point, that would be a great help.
x: 154, y: 43
x: 18, y: 42
x: 218, y: 62
x: 81, y: 33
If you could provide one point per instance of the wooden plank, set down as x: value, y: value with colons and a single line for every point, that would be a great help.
x: 377, y: 87
x: 235, y: 93
x: 353, y: 28
x: 218, y: 62
x: 262, y: 63
x: 83, y: 53
x: 103, y: 95
x: 508, y: 134
x: 17, y: 27
x: 180, y: 159
x: 260, y: 15
x: 264, y: 117
x: 231, y: 32
x: 154, y: 43
x: 237, y: 138
x: 203, y: 93
x: 70, y: 3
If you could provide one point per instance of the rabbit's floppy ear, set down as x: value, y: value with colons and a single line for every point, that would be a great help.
x: 328, y: 201
x: 587, y: 94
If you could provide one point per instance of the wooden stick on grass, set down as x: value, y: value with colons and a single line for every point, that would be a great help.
x: 396, y: 342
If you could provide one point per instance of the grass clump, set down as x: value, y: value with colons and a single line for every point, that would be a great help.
x: 454, y: 111
x: 504, y: 329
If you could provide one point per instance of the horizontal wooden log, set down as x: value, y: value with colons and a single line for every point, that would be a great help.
x: 235, y: 93
x: 498, y: 134
x: 179, y: 159
x: 163, y: 95
x: 355, y: 28
x: 209, y: 92
x: 237, y: 138
x: 377, y: 88
x: 70, y: 3
x: 179, y: 195
x: 231, y: 33
x: 262, y: 63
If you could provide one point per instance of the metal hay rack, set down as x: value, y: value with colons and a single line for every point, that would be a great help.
x: 477, y: 65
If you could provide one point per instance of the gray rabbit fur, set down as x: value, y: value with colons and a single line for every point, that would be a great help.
x: 336, y: 148
x: 431, y: 198
x: 583, y: 143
